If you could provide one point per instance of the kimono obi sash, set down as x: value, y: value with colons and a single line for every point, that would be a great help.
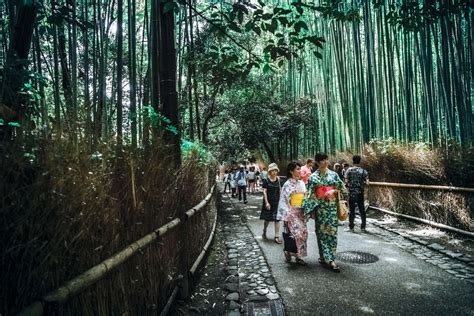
x: 297, y: 199
x: 320, y: 192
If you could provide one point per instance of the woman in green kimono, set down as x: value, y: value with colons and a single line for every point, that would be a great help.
x: 324, y: 185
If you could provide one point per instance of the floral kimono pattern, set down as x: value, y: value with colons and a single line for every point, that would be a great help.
x: 294, y: 216
x: 326, y: 212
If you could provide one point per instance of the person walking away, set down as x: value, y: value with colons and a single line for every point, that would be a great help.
x: 345, y: 167
x: 306, y: 170
x: 226, y: 180
x: 264, y: 174
x: 356, y: 178
x: 251, y: 180
x: 233, y: 182
x: 324, y: 186
x: 271, y: 197
x: 257, y: 179
x: 241, y: 184
x: 289, y: 210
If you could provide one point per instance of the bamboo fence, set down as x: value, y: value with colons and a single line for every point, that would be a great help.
x: 422, y: 187
x: 98, y: 272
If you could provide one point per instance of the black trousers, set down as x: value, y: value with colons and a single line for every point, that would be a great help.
x: 358, y: 201
x: 227, y: 184
x: 242, y: 189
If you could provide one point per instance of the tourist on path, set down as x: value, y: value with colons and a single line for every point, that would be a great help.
x: 264, y: 174
x: 233, y: 182
x: 324, y: 186
x: 356, y: 178
x: 251, y: 180
x: 271, y: 197
x: 306, y: 170
x: 289, y: 210
x: 241, y: 184
x: 226, y: 180
x: 338, y: 170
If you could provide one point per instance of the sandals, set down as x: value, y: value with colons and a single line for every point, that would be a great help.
x: 331, y: 266
x: 334, y: 267
x: 287, y: 256
x: 277, y: 240
x: 301, y: 262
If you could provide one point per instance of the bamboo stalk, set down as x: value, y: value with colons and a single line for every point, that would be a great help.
x: 204, y: 250
x: 170, y: 302
x: 425, y: 221
x: 94, y: 274
x: 133, y: 185
x: 421, y: 186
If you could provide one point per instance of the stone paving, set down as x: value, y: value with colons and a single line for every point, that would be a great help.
x: 250, y: 284
x: 458, y: 264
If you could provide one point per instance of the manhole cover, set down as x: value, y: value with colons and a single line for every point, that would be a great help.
x: 269, y: 308
x: 356, y: 257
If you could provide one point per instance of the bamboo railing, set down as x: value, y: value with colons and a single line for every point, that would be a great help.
x: 424, y: 187
x: 421, y: 186
x: 98, y: 272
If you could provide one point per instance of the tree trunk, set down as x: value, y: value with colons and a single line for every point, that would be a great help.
x: 119, y: 74
x: 167, y: 77
x: 17, y: 61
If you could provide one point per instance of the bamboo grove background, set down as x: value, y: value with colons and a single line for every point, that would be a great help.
x: 389, y: 71
x: 385, y: 70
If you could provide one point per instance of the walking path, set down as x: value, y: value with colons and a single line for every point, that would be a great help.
x: 384, y: 272
x: 407, y: 278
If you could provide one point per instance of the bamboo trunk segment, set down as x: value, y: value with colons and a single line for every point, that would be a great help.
x: 421, y: 186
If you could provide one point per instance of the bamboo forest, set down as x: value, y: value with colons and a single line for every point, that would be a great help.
x: 122, y: 119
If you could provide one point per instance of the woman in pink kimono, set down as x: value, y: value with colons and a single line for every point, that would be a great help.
x: 289, y: 210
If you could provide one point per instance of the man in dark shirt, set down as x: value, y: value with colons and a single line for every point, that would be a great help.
x: 356, y: 178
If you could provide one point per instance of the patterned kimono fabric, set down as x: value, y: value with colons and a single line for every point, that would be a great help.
x: 326, y: 212
x: 294, y: 215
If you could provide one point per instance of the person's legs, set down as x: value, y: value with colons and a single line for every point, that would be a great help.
x: 244, y: 190
x: 227, y: 184
x: 318, y: 240
x: 239, y: 189
x: 265, y: 226
x: 277, y: 229
x: 352, y: 206
x: 360, y: 205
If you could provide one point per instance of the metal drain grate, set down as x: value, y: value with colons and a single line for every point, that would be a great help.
x: 268, y: 308
x: 356, y: 257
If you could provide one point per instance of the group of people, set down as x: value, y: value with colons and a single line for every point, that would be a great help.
x: 243, y: 179
x: 312, y: 192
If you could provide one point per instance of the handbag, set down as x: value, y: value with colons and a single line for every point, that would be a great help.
x: 289, y: 243
x: 342, y: 212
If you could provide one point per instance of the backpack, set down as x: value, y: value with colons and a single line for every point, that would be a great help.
x: 241, y: 179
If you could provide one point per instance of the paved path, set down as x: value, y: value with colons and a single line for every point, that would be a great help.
x: 408, y: 277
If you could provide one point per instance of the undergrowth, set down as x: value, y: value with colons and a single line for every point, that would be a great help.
x: 64, y: 211
x: 388, y: 161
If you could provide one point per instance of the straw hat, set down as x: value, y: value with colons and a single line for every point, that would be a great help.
x: 273, y: 166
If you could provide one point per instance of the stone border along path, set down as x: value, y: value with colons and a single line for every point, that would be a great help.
x: 250, y: 284
x: 457, y: 264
